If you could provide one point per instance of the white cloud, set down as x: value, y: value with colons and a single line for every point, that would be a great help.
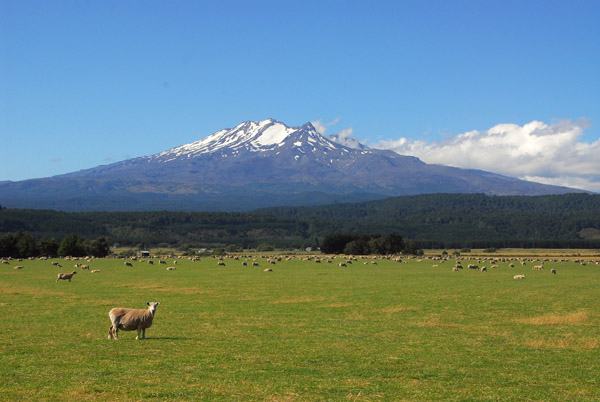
x: 322, y: 127
x: 551, y: 154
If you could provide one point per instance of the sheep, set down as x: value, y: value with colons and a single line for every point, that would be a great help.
x: 85, y: 267
x: 268, y: 270
x: 484, y: 269
x: 553, y: 271
x: 220, y: 263
x: 455, y: 269
x: 171, y: 268
x: 538, y: 267
x: 341, y: 264
x: 519, y: 277
x: 129, y: 319
x: 128, y: 264
x: 95, y: 271
x: 473, y: 266
x: 255, y: 264
x: 65, y: 276
x: 151, y: 262
x: 19, y: 267
x: 244, y: 264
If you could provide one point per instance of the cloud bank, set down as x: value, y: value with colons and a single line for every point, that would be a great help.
x: 550, y: 154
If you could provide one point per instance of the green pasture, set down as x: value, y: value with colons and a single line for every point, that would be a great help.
x: 304, y: 332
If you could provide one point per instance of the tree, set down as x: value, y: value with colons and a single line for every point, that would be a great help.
x: 264, y: 247
x: 25, y: 245
x: 49, y: 247
x: 99, y: 247
x: 72, y: 245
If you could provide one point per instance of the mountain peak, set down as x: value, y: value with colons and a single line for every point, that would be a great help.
x: 250, y: 136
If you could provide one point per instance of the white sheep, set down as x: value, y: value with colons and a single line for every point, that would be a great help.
x: 171, y: 268
x: 519, y: 277
x: 65, y: 276
x: 129, y: 319
x: 95, y: 271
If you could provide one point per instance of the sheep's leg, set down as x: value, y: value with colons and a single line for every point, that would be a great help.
x: 144, y: 333
x: 138, y: 335
x: 110, y: 332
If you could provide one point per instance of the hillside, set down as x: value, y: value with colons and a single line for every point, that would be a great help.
x: 436, y: 220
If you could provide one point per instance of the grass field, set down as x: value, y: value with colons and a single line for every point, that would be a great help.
x: 304, y: 332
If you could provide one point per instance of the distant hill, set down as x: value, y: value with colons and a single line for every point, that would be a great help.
x: 254, y: 165
x: 433, y: 220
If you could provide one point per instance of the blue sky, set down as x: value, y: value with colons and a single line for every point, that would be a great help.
x: 87, y: 83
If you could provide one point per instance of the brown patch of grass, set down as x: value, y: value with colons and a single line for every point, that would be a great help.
x: 340, y: 305
x: 579, y: 317
x: 302, y: 300
x: 568, y: 342
x: 161, y: 288
x: 434, y: 321
x: 12, y: 289
x: 397, y: 309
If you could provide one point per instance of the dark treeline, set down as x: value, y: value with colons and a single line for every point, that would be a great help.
x: 430, y: 221
x: 338, y: 243
x: 23, y: 245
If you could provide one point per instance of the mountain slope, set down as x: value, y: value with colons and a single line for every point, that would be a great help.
x: 256, y: 164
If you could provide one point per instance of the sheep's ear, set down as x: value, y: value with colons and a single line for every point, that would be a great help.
x: 157, y: 303
x: 148, y: 303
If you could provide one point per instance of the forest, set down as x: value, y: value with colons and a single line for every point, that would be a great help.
x: 429, y: 221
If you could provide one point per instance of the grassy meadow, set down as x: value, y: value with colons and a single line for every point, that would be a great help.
x: 304, y: 332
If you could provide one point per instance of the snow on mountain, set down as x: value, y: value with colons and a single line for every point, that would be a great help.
x: 250, y: 136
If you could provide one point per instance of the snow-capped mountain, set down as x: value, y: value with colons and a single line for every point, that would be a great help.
x: 256, y: 164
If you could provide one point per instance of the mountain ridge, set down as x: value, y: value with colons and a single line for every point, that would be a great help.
x: 256, y: 164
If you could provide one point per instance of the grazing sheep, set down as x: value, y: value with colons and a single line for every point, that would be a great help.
x: 128, y: 264
x: 85, y: 267
x: 511, y: 265
x: 221, y: 263
x: 538, y: 267
x: 19, y: 267
x: 151, y: 262
x: 95, y: 271
x: 65, y: 276
x: 255, y: 264
x: 341, y: 264
x: 244, y: 264
x: 484, y: 269
x: 473, y: 266
x: 553, y: 271
x: 162, y: 262
x: 268, y: 270
x: 519, y: 277
x: 129, y: 319
x: 171, y: 268
x: 455, y: 269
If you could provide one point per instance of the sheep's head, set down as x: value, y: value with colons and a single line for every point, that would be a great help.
x: 152, y: 306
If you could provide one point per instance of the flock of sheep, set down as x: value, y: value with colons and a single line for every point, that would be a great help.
x: 127, y: 319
